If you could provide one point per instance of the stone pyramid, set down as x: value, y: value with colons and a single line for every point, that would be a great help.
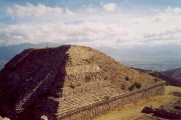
x: 57, y: 81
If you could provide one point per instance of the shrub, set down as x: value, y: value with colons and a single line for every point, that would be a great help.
x: 156, y: 79
x: 106, y: 97
x: 176, y: 93
x: 123, y: 87
x: 132, y: 87
x: 78, y: 84
x: 127, y: 78
x: 156, y: 74
x: 87, y: 78
x: 96, y: 99
x: 167, y: 83
x: 137, y: 85
x: 72, y: 86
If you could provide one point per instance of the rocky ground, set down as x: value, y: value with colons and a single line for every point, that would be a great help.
x: 133, y: 111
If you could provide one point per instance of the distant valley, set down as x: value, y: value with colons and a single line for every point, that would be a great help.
x: 148, y: 58
x: 157, y: 63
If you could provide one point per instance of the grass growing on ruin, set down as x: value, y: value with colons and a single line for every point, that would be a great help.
x: 135, y: 85
x: 127, y: 78
x: 87, y: 78
x: 156, y: 79
x: 177, y: 93
x: 78, y: 84
x: 72, y: 86
x: 131, y: 88
x: 138, y: 85
x: 106, y: 97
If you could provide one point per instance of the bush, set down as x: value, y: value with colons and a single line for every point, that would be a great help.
x: 127, y: 78
x: 123, y: 87
x: 137, y: 85
x: 87, y: 78
x: 156, y: 74
x: 131, y: 88
x: 156, y: 79
x: 176, y: 93
x: 167, y: 83
x: 78, y: 84
x: 106, y: 97
x: 72, y: 86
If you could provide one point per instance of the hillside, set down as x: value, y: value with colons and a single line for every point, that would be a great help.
x: 172, y: 77
x: 175, y: 73
x: 54, y: 81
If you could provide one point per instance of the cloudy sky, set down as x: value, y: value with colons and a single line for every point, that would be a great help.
x: 109, y: 23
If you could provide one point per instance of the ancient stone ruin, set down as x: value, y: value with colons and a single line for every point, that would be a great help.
x: 69, y: 82
x: 169, y: 111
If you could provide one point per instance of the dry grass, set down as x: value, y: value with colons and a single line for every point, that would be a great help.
x: 170, y: 89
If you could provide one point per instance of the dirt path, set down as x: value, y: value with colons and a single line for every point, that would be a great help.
x: 133, y: 110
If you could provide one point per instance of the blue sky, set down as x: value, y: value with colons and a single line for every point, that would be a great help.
x: 110, y: 23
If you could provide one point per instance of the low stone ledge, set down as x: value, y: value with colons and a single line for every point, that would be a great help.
x: 126, y: 95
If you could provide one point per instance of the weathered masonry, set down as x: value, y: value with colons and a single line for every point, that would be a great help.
x: 98, y: 108
x: 69, y: 82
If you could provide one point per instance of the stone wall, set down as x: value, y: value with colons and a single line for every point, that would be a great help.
x: 97, y: 87
x: 99, y: 108
x: 83, y: 78
x: 18, y: 58
x: 82, y: 69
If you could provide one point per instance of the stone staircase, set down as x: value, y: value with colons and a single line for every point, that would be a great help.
x: 43, y: 77
x: 18, y: 58
x: 96, y: 91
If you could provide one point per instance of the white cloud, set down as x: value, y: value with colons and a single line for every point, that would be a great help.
x: 173, y: 11
x: 166, y: 36
x: 110, y: 7
x: 30, y: 10
x: 94, y: 33
x: 69, y: 13
x: 167, y: 14
x: 92, y: 26
x: 91, y: 9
